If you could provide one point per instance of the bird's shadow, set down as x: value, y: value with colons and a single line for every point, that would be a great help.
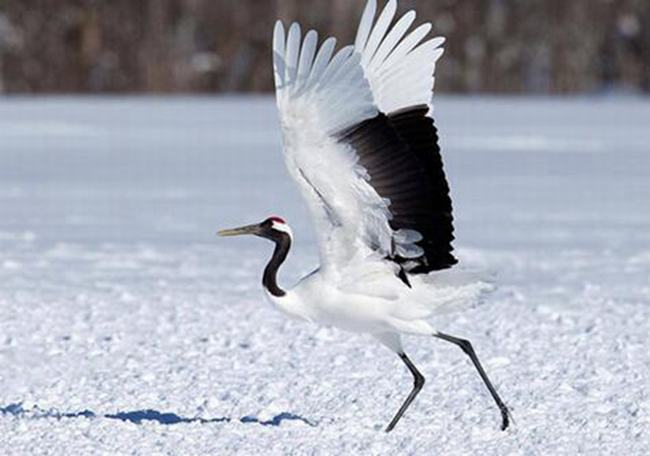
x: 139, y: 416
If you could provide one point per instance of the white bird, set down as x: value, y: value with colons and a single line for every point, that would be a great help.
x: 360, y: 141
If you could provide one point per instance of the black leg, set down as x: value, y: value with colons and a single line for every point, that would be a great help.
x: 418, y: 383
x: 466, y: 346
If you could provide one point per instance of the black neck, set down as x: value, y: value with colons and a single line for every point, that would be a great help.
x: 282, y: 245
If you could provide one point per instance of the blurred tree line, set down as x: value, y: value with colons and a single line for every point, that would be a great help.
x: 540, y: 46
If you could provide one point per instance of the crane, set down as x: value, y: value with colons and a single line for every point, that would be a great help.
x: 360, y: 141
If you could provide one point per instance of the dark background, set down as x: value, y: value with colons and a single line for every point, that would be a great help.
x: 164, y: 46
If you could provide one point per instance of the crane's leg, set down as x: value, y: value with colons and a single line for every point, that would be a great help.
x: 418, y: 383
x: 466, y: 346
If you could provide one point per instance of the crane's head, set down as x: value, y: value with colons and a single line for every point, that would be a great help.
x: 273, y: 228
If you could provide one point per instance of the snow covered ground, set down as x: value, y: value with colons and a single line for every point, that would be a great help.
x: 127, y: 326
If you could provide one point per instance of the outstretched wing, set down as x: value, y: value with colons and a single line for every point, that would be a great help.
x: 319, y: 96
x: 364, y: 157
x: 399, y: 63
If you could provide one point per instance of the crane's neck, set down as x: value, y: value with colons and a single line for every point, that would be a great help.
x: 269, y: 280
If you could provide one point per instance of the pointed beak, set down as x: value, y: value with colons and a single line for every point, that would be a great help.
x: 248, y: 229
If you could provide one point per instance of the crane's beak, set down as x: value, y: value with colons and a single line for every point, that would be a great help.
x: 248, y: 229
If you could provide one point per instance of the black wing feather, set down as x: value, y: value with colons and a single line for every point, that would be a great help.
x: 400, y: 152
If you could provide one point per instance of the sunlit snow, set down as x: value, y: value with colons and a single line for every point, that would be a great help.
x: 127, y: 326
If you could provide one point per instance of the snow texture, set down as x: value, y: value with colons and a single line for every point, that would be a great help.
x: 128, y: 327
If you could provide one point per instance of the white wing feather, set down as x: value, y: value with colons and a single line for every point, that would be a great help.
x: 365, y: 25
x: 399, y: 67
x: 321, y: 93
x: 318, y: 97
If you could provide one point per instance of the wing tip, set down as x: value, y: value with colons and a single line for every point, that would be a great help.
x: 329, y: 39
x: 310, y: 33
x: 365, y: 25
x: 371, y: 5
x: 279, y: 48
x: 278, y: 35
x: 440, y: 41
x: 295, y: 27
x: 428, y: 26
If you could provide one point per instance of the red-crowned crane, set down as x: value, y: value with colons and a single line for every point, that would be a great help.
x: 360, y: 141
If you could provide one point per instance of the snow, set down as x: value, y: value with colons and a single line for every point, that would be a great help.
x: 128, y: 327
